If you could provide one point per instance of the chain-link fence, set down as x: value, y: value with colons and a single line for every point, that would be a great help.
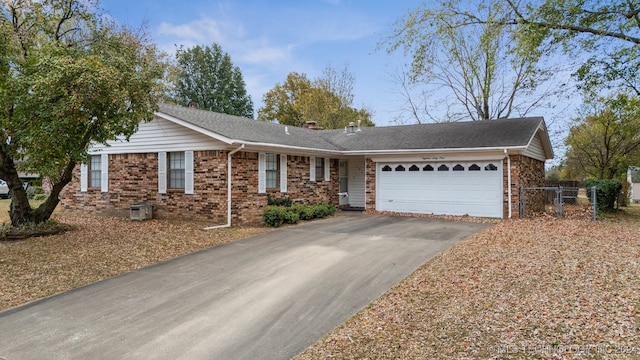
x: 554, y: 196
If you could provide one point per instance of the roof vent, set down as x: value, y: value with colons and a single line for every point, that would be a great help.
x: 192, y: 105
x: 351, y: 128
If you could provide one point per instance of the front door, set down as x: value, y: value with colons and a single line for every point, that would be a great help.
x: 343, y: 175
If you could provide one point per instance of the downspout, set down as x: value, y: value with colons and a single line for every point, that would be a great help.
x: 508, y: 180
x: 228, y: 224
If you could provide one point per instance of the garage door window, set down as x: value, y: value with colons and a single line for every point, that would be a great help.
x: 491, y: 167
x: 428, y: 168
x: 386, y: 168
x: 400, y: 168
x: 474, y: 167
x: 443, y: 167
x: 414, y: 168
x: 458, y: 168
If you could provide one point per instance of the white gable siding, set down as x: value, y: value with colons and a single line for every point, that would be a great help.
x: 357, y: 187
x: 535, y: 149
x: 160, y: 135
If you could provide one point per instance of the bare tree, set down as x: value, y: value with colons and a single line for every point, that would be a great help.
x: 472, y: 71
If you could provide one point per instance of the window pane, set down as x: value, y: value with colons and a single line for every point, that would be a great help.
x: 319, y: 168
x: 176, y: 170
x: 272, y: 171
x: 95, y: 170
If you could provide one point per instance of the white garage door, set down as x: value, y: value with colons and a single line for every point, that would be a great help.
x: 460, y: 188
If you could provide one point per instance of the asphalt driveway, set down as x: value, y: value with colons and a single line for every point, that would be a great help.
x: 265, y: 297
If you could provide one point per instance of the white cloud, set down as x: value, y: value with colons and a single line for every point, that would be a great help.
x: 204, y: 30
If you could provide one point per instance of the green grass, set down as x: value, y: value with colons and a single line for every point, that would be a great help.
x: 4, y: 209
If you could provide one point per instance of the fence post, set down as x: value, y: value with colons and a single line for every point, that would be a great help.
x: 559, y: 209
x: 594, y: 202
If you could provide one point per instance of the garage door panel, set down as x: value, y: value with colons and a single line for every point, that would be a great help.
x: 476, y: 193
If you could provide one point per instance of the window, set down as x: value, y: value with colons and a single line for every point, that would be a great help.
x: 95, y: 171
x: 414, y: 168
x: 474, y: 167
x: 272, y: 171
x: 491, y: 167
x: 386, y: 168
x: 443, y: 167
x: 400, y: 168
x: 427, y: 168
x: 458, y: 168
x: 319, y: 169
x: 176, y: 170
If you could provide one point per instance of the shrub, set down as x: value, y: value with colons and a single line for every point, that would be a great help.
x: 40, y: 197
x: 32, y: 191
x: 277, y: 215
x: 274, y: 215
x: 306, y: 212
x: 283, y: 201
x: 291, y: 216
x: 607, y: 192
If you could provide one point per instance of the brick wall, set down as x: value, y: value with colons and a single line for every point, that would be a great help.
x: 525, y: 172
x: 133, y: 179
x: 370, y: 174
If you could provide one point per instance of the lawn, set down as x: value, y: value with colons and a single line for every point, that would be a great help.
x: 531, y: 288
x: 536, y: 289
x: 98, y: 248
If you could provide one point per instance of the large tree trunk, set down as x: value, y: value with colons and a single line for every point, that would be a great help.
x: 20, y: 211
x: 44, y: 211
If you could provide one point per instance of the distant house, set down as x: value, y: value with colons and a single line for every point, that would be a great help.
x: 633, y: 178
x: 196, y: 164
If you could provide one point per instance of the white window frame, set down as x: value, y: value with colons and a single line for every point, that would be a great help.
x: 163, y: 173
x: 104, y: 174
x: 281, y: 180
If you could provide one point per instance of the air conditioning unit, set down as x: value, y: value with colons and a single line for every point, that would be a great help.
x: 141, y: 212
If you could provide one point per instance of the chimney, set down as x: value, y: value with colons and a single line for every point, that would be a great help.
x: 312, y: 125
x: 359, y: 129
x: 192, y: 105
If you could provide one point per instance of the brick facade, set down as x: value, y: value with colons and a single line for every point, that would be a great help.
x: 525, y: 172
x: 133, y: 179
x: 370, y: 175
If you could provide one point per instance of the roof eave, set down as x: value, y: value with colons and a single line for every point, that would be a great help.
x: 297, y: 149
x: 439, y: 150
x: 196, y: 128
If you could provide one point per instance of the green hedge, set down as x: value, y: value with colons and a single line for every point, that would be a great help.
x: 283, y: 201
x: 277, y: 215
x: 607, y: 192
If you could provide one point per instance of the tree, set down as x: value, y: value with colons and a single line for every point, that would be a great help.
x: 207, y: 76
x: 279, y: 101
x: 327, y: 100
x: 607, y: 31
x: 69, y: 79
x: 472, y: 70
x: 607, y: 141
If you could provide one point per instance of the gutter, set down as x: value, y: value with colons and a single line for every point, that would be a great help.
x: 506, y: 152
x: 228, y: 224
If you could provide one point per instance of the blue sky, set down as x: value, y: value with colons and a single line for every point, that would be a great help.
x: 269, y: 39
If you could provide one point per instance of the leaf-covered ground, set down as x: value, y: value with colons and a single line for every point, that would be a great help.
x: 98, y: 248
x: 540, y: 288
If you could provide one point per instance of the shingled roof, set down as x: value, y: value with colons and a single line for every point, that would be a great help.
x: 450, y: 135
